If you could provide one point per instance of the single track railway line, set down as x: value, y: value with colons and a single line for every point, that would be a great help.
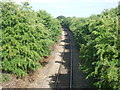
x: 68, y: 79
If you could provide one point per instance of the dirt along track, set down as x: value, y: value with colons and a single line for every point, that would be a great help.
x: 59, y: 61
x: 43, y: 77
x: 70, y: 61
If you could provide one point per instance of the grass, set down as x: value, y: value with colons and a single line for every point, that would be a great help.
x: 5, y: 77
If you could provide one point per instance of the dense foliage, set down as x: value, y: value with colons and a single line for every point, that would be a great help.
x: 26, y: 37
x: 97, y: 37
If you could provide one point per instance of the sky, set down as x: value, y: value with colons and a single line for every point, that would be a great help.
x: 70, y: 8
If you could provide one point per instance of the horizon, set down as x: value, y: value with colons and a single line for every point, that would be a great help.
x: 71, y: 8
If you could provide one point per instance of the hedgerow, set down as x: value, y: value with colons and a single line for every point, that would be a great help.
x: 26, y: 37
x: 97, y: 38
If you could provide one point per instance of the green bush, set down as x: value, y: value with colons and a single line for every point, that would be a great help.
x: 26, y: 37
x: 97, y: 37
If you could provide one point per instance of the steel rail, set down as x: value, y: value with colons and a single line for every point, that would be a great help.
x: 71, y: 64
x: 56, y: 83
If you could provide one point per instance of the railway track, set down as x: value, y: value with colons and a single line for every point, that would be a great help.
x: 64, y: 78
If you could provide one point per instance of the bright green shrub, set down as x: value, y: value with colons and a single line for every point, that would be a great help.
x: 97, y: 37
x: 25, y: 37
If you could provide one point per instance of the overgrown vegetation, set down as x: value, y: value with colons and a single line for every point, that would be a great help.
x: 26, y: 37
x: 5, y: 77
x: 97, y: 37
